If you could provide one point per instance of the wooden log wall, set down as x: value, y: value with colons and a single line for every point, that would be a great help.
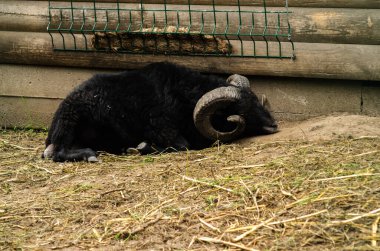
x: 335, y: 40
x: 366, y: 4
x: 339, y: 43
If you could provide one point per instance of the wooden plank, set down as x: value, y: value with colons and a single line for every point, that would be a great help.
x: 335, y: 25
x: 339, y: 61
x: 27, y: 112
x: 365, y: 4
x: 40, y: 81
x: 286, y: 95
x: 29, y: 95
x: 359, y: 26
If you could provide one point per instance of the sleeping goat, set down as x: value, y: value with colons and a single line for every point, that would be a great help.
x: 161, y: 106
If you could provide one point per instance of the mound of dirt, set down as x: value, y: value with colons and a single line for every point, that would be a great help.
x: 323, y: 128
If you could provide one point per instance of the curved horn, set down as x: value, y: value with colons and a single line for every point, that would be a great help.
x: 239, y: 81
x: 208, y: 104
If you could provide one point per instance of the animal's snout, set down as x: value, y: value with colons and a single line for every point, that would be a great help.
x: 273, y: 128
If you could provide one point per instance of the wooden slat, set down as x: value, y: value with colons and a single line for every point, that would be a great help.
x: 26, y: 112
x: 336, y: 25
x: 365, y: 4
x: 340, y: 61
x: 360, y: 26
x: 29, y: 95
x: 40, y: 81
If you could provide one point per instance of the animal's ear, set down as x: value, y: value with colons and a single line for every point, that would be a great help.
x: 239, y: 81
x: 264, y: 100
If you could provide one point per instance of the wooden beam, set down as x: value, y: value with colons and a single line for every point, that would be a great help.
x: 316, y: 25
x: 365, y: 4
x: 29, y: 95
x: 314, y: 60
x: 40, y: 81
x: 335, y: 25
x: 27, y: 112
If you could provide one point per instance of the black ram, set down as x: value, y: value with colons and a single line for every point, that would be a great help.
x: 157, y: 107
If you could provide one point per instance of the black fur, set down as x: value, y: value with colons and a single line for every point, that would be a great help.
x: 112, y: 112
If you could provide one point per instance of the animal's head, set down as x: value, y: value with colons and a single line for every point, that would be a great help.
x: 228, y: 113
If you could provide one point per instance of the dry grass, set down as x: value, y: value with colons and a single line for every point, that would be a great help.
x: 274, y: 196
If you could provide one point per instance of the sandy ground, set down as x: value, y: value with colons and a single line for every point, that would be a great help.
x: 324, y: 128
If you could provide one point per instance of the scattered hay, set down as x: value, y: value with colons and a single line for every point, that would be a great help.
x: 281, y: 195
x: 171, y: 40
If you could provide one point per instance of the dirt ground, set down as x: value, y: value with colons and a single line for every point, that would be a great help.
x: 312, y: 186
x: 325, y: 128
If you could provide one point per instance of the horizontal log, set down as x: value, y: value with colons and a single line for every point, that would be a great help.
x: 366, y: 4
x: 336, y: 61
x: 359, y: 26
x: 29, y: 95
x: 336, y: 25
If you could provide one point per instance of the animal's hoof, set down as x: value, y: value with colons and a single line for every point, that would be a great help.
x: 146, y: 148
x: 48, y: 153
x: 142, y: 146
x: 132, y: 151
x: 92, y: 159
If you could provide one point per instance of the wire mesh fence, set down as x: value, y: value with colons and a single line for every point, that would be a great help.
x: 163, y: 27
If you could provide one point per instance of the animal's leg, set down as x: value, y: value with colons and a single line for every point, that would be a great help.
x: 63, y: 125
x: 84, y: 154
x: 61, y: 137
x: 179, y: 144
x: 144, y: 148
x: 165, y: 136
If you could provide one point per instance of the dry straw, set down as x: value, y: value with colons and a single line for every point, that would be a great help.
x: 296, y: 195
